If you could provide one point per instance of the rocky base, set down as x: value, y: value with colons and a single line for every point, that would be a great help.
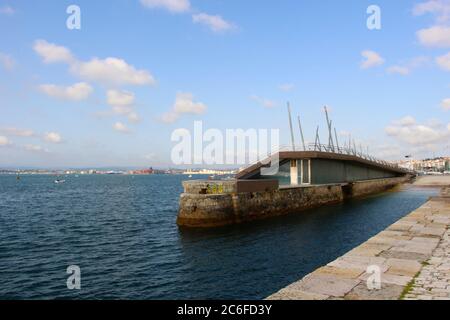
x: 213, y: 210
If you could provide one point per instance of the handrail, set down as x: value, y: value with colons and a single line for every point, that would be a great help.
x: 329, y: 149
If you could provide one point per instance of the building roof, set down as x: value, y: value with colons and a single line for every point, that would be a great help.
x: 297, y: 155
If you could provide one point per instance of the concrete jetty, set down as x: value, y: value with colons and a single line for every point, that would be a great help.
x: 412, y: 257
x: 303, y: 180
x: 218, y: 203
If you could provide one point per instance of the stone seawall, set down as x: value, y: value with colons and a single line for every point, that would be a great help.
x: 363, y: 188
x: 213, y: 210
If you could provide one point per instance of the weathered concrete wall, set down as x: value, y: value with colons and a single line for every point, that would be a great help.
x: 256, y: 185
x: 229, y: 186
x: 362, y: 188
x: 210, y: 210
x: 197, y: 210
x: 251, y: 206
x: 209, y: 187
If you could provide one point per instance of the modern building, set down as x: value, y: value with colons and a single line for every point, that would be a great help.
x: 318, y: 167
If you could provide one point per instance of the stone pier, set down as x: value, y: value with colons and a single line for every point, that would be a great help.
x: 287, y: 182
x: 412, y: 256
x: 207, y: 204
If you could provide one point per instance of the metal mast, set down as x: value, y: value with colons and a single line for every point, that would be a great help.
x: 350, y: 143
x: 336, y: 137
x: 290, y: 125
x: 330, y: 136
x: 301, y: 133
x: 317, y: 141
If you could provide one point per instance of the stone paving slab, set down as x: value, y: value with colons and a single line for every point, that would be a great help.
x: 432, y: 181
x: 412, y: 256
x: 346, y: 273
x: 389, y: 292
x: 433, y: 282
x: 403, y: 267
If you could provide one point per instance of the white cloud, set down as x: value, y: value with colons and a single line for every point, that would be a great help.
x: 404, y: 71
x: 4, y: 141
x: 439, y: 8
x: 17, y: 132
x: 35, y: 148
x: 112, y: 71
x: 7, y: 61
x: 120, y: 127
x: 7, y: 10
x: 76, y: 92
x: 134, y: 117
x: 415, y: 135
x: 52, y: 53
x: 175, y: 6
x: 422, y: 136
x: 184, y: 104
x: 286, y: 87
x: 436, y: 36
x: 434, y: 123
x: 121, y: 101
x: 372, y: 59
x: 263, y: 101
x: 408, y: 66
x: 386, y: 151
x: 405, y: 121
x: 445, y: 104
x: 444, y: 61
x: 109, y: 71
x: 215, y: 22
x: 120, y: 98
x: 53, y: 137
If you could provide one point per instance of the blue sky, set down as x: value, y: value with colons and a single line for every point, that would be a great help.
x: 107, y: 94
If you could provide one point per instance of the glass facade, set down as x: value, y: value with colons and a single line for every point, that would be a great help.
x: 324, y: 171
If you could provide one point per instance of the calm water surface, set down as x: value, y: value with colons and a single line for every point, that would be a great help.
x: 121, y: 231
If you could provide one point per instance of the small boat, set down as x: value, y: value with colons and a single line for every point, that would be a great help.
x: 190, y: 176
x: 58, y: 181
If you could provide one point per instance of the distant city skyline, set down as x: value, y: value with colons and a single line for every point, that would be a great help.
x: 111, y: 93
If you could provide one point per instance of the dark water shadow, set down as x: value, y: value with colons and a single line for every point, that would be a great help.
x: 255, y: 259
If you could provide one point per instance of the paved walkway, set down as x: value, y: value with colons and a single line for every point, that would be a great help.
x: 432, y: 181
x: 433, y: 282
x: 411, y: 258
